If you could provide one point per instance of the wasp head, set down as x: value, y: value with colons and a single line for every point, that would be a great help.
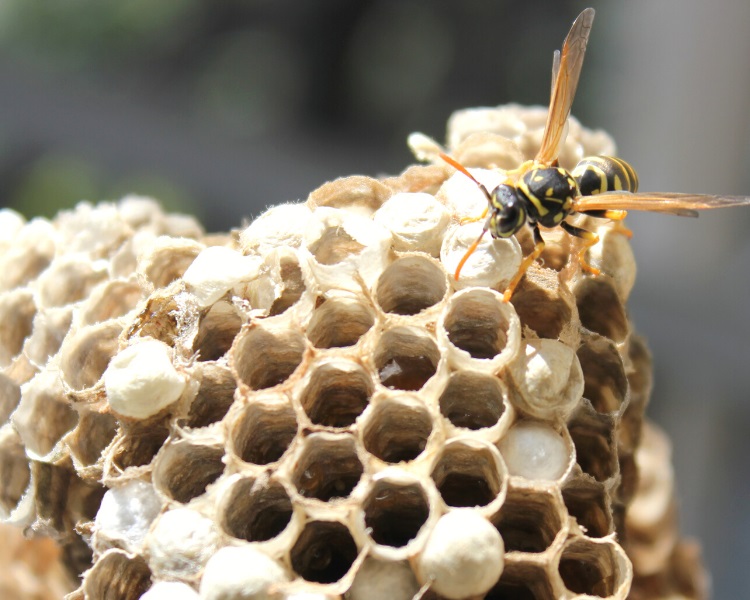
x: 508, y: 213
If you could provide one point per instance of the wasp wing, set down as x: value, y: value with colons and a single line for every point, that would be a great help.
x: 685, y: 205
x: 555, y: 73
x: 566, y: 82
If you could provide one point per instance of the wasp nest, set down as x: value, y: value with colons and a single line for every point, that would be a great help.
x: 314, y: 408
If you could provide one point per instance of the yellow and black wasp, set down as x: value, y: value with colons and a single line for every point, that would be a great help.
x: 540, y: 193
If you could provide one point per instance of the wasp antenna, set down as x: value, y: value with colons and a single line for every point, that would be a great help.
x: 469, y: 252
x: 459, y: 167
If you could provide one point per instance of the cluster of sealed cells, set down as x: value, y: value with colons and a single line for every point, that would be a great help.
x: 344, y: 393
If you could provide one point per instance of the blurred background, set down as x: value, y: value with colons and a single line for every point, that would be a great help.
x: 222, y: 109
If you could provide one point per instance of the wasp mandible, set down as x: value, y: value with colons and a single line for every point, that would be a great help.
x: 540, y: 193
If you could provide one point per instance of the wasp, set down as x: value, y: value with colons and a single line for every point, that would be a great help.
x: 540, y: 193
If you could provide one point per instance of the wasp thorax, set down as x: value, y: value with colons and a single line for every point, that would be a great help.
x: 508, y: 212
x: 550, y: 193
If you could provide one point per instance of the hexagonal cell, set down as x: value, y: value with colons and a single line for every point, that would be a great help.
x: 256, y: 510
x: 601, y: 310
x: 334, y: 245
x: 84, y: 499
x: 417, y: 220
x: 111, y: 300
x: 324, y: 552
x: 51, y: 485
x: 264, y: 357
x: 606, y: 385
x: 511, y: 590
x: 629, y: 477
x: 522, y: 580
x: 180, y: 542
x: 393, y: 576
x: 591, y: 568
x: 534, y: 450
x: 216, y: 331
x: 167, y: 260
x: 17, y: 310
x: 158, y: 319
x: 293, y: 285
x: 69, y: 279
x: 10, y: 395
x: 44, y: 415
x: 529, y: 520
x: 137, y: 443
x: 540, y: 306
x: 556, y: 253
x: 86, y: 354
x: 473, y: 400
x: 338, y: 322
x: 641, y: 375
x: 478, y: 322
x: 215, y: 395
x: 406, y: 357
x: 418, y: 178
x: 185, y: 468
x: 15, y: 473
x: 48, y: 332
x: 94, y: 433
x: 588, y: 502
x: 76, y: 554
x: 397, y: 429
x: 125, y: 515
x: 263, y: 431
x: 32, y: 251
x: 395, y: 511
x: 469, y: 473
x: 614, y: 256
x: 593, y: 435
x: 640, y: 378
x: 358, y: 193
x: 410, y: 284
x: 327, y: 466
x: 546, y: 381
x: 336, y: 392
x: 117, y: 576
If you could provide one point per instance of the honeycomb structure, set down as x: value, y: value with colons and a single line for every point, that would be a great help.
x: 313, y: 407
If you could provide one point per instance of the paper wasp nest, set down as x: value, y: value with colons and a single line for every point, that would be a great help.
x: 314, y: 408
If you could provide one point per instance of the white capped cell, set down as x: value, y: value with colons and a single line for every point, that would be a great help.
x: 535, y: 451
x: 463, y: 557
x: 216, y: 270
x: 181, y: 542
x: 493, y: 263
x: 241, y: 573
x: 417, y: 221
x: 170, y: 590
x: 125, y: 515
x: 141, y: 380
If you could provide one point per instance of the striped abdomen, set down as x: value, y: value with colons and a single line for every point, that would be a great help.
x: 598, y: 174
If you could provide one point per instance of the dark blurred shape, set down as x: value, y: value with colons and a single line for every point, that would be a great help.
x: 243, y: 105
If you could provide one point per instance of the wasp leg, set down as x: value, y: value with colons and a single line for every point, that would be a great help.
x: 469, y: 252
x: 589, y: 239
x: 525, y: 264
x: 613, y: 215
x: 465, y: 220
x: 513, y: 175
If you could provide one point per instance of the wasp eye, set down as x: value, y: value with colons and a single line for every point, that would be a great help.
x: 512, y: 217
x: 511, y: 213
x: 508, y: 211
